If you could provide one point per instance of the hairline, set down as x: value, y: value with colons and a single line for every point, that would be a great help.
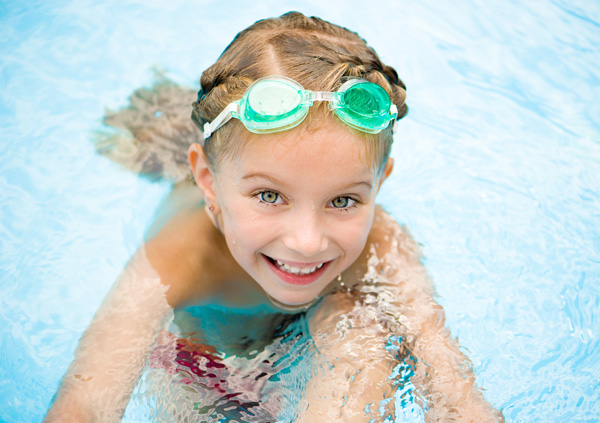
x: 239, y: 137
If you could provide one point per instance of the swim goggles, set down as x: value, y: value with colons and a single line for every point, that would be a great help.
x: 277, y: 103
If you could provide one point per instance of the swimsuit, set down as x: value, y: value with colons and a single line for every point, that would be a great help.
x: 244, y: 379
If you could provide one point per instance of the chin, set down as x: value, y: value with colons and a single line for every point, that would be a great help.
x: 293, y: 302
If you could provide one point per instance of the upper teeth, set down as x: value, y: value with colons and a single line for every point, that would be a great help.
x: 297, y: 270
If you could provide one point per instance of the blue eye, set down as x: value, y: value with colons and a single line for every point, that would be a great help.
x: 342, y: 202
x: 268, y: 197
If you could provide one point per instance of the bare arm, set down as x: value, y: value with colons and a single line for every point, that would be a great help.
x: 353, y: 363
x: 170, y: 270
x: 351, y: 329
x: 111, y: 353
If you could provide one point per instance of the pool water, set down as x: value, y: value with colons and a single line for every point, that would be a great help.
x: 497, y: 175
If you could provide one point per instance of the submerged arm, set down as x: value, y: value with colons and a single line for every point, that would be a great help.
x: 352, y: 377
x: 351, y: 329
x: 442, y: 373
x: 111, y: 353
x: 161, y: 276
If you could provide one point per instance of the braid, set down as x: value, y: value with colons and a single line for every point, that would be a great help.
x: 317, y: 54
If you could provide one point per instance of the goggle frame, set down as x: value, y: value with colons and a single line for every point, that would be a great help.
x: 260, y: 123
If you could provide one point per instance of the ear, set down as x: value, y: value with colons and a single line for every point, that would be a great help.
x: 387, y: 170
x: 203, y: 175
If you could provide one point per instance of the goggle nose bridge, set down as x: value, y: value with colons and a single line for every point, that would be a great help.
x: 312, y: 96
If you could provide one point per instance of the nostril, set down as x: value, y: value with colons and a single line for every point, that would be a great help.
x: 306, y: 234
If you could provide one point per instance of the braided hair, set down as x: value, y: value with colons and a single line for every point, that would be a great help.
x: 317, y: 54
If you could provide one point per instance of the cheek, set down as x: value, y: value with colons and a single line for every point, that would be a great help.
x: 243, y: 230
x: 353, y: 235
x: 357, y: 239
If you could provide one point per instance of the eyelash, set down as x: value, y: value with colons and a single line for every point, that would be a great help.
x: 258, y: 196
x: 352, y: 201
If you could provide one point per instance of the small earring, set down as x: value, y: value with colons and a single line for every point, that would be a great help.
x: 211, y: 208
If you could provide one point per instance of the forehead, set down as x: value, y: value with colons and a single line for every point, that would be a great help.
x: 307, y: 148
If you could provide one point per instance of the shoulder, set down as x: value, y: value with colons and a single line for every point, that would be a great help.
x: 387, y: 236
x: 389, y: 246
x: 187, y: 251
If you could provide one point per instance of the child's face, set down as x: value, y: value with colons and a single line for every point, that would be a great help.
x: 297, y: 207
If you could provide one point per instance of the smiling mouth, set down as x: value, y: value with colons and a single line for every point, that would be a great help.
x: 295, y: 274
x: 296, y: 270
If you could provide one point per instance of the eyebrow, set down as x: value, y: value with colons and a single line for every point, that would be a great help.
x: 261, y: 176
x: 274, y: 181
x: 363, y: 183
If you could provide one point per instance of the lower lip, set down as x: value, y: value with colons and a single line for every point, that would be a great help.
x: 296, y: 279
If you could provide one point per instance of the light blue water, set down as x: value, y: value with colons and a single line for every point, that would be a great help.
x: 497, y: 176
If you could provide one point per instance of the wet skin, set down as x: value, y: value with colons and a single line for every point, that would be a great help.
x: 289, y: 215
x: 295, y: 208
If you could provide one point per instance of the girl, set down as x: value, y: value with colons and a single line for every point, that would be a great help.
x: 297, y: 117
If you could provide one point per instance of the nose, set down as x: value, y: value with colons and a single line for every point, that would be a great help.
x: 306, y: 234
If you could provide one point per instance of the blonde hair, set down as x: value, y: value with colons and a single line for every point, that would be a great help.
x: 317, y: 54
x: 152, y: 134
x: 154, y: 131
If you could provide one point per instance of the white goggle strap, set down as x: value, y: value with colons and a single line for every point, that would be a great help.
x: 221, y: 119
x: 394, y: 112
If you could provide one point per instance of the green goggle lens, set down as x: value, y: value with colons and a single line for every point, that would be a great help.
x: 273, y: 98
x: 278, y: 103
x: 271, y: 105
x: 365, y: 106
